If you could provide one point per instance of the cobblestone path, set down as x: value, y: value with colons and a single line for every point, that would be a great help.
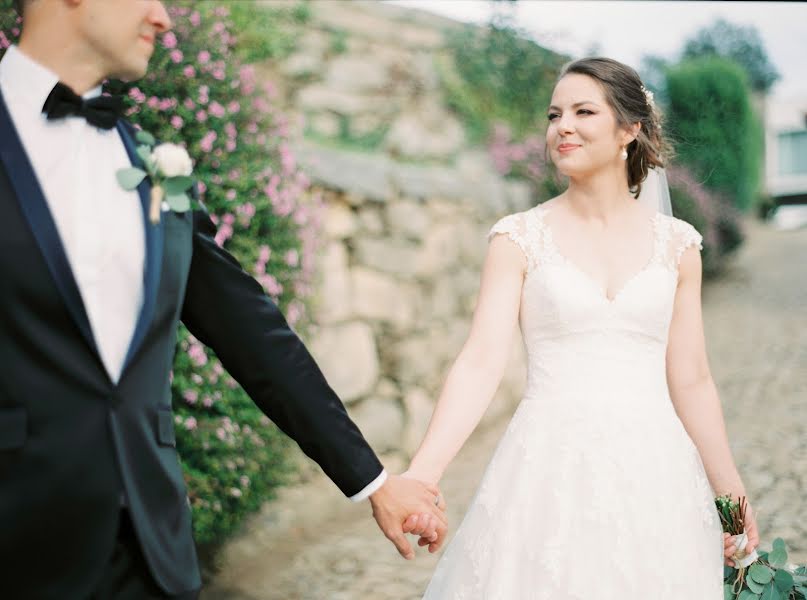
x: 313, y: 545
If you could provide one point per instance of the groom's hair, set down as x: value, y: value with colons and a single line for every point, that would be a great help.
x: 19, y: 6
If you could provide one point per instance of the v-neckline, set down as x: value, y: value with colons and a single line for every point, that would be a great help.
x: 549, y: 242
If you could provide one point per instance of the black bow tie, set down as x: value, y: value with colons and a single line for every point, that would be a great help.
x: 102, y: 111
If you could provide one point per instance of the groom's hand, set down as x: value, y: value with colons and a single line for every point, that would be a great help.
x: 401, y: 497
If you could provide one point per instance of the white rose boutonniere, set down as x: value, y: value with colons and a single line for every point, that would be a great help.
x: 169, y: 168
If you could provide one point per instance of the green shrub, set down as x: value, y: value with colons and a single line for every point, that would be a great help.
x: 498, y: 75
x: 199, y: 93
x: 714, y: 128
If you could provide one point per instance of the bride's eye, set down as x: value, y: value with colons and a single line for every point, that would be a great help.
x: 552, y: 116
x: 584, y: 111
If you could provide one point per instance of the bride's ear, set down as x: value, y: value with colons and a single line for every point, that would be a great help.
x: 631, y: 133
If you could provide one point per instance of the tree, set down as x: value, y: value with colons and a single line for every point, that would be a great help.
x: 739, y: 44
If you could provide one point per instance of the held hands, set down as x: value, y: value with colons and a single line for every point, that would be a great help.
x: 405, y: 505
x: 729, y: 546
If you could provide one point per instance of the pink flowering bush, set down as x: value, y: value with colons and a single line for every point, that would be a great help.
x: 200, y: 94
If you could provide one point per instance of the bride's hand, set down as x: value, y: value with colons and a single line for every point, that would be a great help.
x: 729, y: 547
x: 430, y: 530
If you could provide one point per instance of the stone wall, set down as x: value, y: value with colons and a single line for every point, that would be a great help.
x: 408, y: 207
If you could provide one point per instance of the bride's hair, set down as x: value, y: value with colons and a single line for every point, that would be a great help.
x: 632, y: 103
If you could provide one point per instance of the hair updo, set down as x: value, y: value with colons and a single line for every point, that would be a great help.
x: 631, y: 103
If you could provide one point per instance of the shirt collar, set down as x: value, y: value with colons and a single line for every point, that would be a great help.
x: 28, y: 81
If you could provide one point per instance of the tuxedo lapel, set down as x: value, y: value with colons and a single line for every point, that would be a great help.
x: 154, y: 250
x: 35, y: 209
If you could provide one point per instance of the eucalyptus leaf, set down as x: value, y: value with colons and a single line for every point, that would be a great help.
x: 728, y: 592
x: 145, y: 155
x: 144, y: 137
x: 177, y: 185
x: 754, y: 586
x: 771, y: 593
x: 178, y: 202
x: 778, y: 558
x: 760, y: 573
x: 748, y: 595
x: 783, y: 580
x: 130, y: 177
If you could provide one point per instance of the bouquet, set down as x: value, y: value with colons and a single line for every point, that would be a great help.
x: 763, y: 575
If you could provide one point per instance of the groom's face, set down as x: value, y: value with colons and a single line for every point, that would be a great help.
x: 121, y: 33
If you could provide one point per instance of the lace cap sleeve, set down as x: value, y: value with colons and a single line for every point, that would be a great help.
x: 685, y: 235
x: 515, y: 228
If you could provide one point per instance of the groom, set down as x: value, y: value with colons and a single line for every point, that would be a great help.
x: 92, y: 498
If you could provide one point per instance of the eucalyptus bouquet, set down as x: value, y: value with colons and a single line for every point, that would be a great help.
x: 763, y: 575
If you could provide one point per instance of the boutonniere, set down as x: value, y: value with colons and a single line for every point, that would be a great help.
x: 169, y: 167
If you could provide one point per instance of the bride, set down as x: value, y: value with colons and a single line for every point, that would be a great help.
x: 603, y: 484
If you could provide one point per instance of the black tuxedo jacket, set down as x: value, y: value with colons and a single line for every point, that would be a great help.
x: 72, y: 442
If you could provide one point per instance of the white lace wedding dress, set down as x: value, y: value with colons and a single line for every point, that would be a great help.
x: 595, y: 491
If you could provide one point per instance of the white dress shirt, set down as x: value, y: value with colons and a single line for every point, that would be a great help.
x: 100, y: 224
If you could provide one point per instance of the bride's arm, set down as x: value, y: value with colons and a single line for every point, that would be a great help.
x: 478, y: 369
x: 692, y: 388
x: 695, y: 396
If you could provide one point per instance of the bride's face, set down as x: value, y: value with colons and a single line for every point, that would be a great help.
x: 583, y: 136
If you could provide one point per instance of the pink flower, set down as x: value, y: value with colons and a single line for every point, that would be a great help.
x: 195, y: 18
x: 190, y: 396
x: 270, y: 285
x: 207, y: 401
x: 292, y: 258
x: 169, y: 40
x: 197, y: 354
x: 235, y: 492
x: 153, y: 102
x: 217, y: 110
x: 203, y: 57
x: 190, y: 423
x: 177, y: 56
x: 221, y: 434
x: 230, y: 195
x: 177, y: 122
x: 137, y: 95
x: 189, y: 71
x: 224, y: 233
x: 233, y: 107
x: 189, y: 104
x: 264, y: 252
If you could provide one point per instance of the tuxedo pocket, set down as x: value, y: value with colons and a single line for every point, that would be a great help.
x: 13, y: 428
x: 165, y: 428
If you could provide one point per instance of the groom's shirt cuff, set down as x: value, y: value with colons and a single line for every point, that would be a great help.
x: 371, y: 487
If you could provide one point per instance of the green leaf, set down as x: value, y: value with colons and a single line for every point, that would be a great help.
x: 748, y: 595
x: 178, y: 202
x: 130, y: 178
x: 771, y: 593
x: 760, y: 573
x: 177, y: 185
x: 783, y: 580
x: 778, y: 556
x: 144, y: 137
x: 144, y: 152
x: 728, y: 593
x: 755, y: 587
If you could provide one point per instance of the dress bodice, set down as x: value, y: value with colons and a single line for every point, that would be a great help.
x: 568, y: 323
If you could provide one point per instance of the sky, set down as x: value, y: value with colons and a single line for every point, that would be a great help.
x: 627, y: 31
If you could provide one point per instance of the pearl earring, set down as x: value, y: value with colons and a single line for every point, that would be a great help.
x: 624, y: 154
